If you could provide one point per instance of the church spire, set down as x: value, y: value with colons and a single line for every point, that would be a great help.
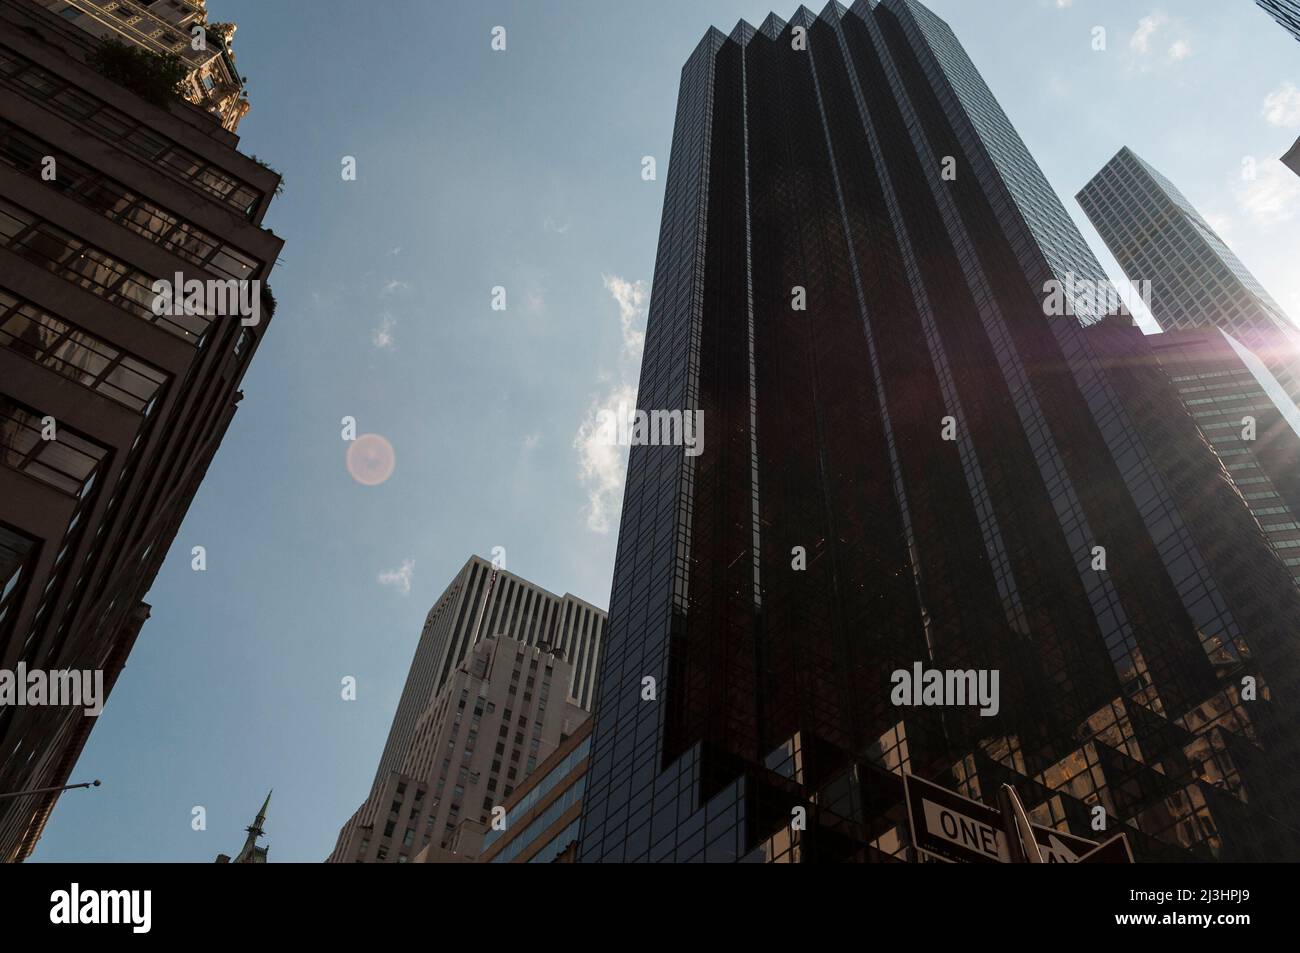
x: 252, y: 854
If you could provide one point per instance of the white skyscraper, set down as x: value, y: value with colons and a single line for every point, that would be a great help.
x: 1156, y: 234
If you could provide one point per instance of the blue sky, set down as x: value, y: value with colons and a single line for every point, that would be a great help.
x: 521, y: 169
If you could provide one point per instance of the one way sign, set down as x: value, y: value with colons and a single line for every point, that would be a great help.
x: 1058, y: 848
x: 955, y: 828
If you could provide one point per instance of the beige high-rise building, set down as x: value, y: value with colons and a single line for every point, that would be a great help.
x: 178, y: 27
x: 503, y: 711
x: 484, y: 599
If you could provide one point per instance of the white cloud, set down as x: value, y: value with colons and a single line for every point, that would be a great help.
x: 532, y: 440
x: 399, y: 579
x: 551, y: 225
x: 1062, y: 4
x: 1149, y: 38
x: 1140, y: 42
x: 1272, y: 196
x: 393, y: 287
x: 534, y: 301
x: 382, y: 337
x: 632, y: 298
x: 602, y: 464
x: 1282, y: 106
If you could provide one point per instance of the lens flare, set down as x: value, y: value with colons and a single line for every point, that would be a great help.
x: 371, y: 459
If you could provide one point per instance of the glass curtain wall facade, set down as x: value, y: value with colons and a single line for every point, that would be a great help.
x: 829, y: 535
x: 1285, y: 12
x: 1157, y: 235
x: 1224, y: 388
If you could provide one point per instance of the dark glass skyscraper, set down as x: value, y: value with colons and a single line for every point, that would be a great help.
x: 922, y: 466
x: 1226, y: 390
x: 1285, y: 12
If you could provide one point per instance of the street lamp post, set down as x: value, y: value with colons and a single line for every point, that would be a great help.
x: 66, y: 787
